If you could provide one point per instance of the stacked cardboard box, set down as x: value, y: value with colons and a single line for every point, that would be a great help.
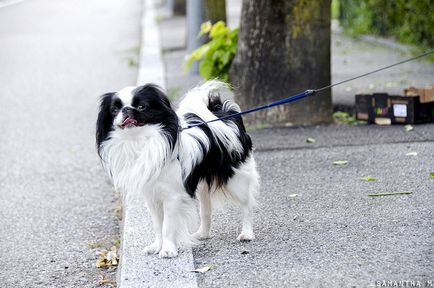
x: 425, y: 94
x: 417, y: 106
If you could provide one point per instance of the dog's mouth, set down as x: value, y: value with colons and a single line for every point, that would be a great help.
x: 130, y: 122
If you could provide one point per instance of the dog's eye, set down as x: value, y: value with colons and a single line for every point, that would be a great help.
x: 115, y: 110
x: 141, y: 108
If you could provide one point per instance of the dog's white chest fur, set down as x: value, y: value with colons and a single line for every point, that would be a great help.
x: 135, y: 157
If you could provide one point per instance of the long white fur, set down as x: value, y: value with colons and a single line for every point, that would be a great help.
x: 139, y: 160
x: 196, y: 101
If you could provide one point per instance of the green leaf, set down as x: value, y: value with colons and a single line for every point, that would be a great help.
x: 218, y: 29
x: 225, y: 57
x: 196, y: 55
x: 233, y: 35
x: 215, y: 57
x: 205, y: 28
x: 431, y: 174
x: 205, y: 69
x: 340, y: 162
x: 369, y: 178
x: 390, y: 194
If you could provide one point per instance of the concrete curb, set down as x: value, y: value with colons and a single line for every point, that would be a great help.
x: 135, y: 268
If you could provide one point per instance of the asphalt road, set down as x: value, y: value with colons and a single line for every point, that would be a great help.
x: 316, y: 226
x: 56, y: 58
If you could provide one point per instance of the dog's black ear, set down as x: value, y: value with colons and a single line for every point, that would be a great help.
x: 104, y: 123
x: 154, y: 91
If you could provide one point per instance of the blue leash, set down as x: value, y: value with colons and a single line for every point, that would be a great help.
x: 306, y: 93
x: 276, y: 103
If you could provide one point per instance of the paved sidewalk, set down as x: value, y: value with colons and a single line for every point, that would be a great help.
x: 316, y: 225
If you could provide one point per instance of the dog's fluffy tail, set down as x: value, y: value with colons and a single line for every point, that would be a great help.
x: 210, y: 101
x: 205, y: 98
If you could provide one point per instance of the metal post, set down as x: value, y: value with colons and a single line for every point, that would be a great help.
x: 168, y: 9
x: 194, y: 20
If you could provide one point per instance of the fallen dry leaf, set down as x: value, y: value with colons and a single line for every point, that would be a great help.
x: 411, y: 154
x: 105, y: 281
x: 204, y: 268
x: 340, y: 162
x: 107, y: 258
x: 100, y: 263
x: 408, y: 128
x: 310, y: 140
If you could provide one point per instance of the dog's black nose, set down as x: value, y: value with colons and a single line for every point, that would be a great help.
x: 127, y: 109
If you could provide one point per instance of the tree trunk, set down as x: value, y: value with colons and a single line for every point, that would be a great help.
x: 215, y: 10
x: 283, y: 49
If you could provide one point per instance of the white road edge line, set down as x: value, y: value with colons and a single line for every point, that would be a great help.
x: 135, y: 268
x: 7, y: 3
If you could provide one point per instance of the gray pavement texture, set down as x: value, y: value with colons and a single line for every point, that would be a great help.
x: 331, y: 233
x: 56, y: 58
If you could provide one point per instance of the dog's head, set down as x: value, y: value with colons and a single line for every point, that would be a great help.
x: 133, y: 108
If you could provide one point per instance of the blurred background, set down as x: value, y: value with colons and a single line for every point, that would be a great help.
x: 269, y: 51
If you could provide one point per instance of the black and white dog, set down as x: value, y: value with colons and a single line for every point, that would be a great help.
x: 144, y: 149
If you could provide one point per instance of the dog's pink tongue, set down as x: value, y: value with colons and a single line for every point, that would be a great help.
x: 129, y: 121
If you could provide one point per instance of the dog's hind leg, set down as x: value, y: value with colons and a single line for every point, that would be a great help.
x: 205, y: 212
x: 242, y: 188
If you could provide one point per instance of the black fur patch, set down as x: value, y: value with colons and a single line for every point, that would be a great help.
x: 218, y: 165
x: 104, y: 123
x: 157, y: 110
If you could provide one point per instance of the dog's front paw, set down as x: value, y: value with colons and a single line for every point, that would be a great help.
x: 200, y: 235
x: 246, y: 236
x: 154, y: 248
x: 168, y: 253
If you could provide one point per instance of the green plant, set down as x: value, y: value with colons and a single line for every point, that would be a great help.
x: 344, y: 118
x: 335, y: 9
x: 409, y: 21
x: 215, y: 57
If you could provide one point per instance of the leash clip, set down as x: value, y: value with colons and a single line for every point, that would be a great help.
x: 310, y: 91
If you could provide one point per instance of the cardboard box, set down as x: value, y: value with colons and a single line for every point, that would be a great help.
x: 426, y: 94
x: 364, y: 109
x: 385, y: 109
